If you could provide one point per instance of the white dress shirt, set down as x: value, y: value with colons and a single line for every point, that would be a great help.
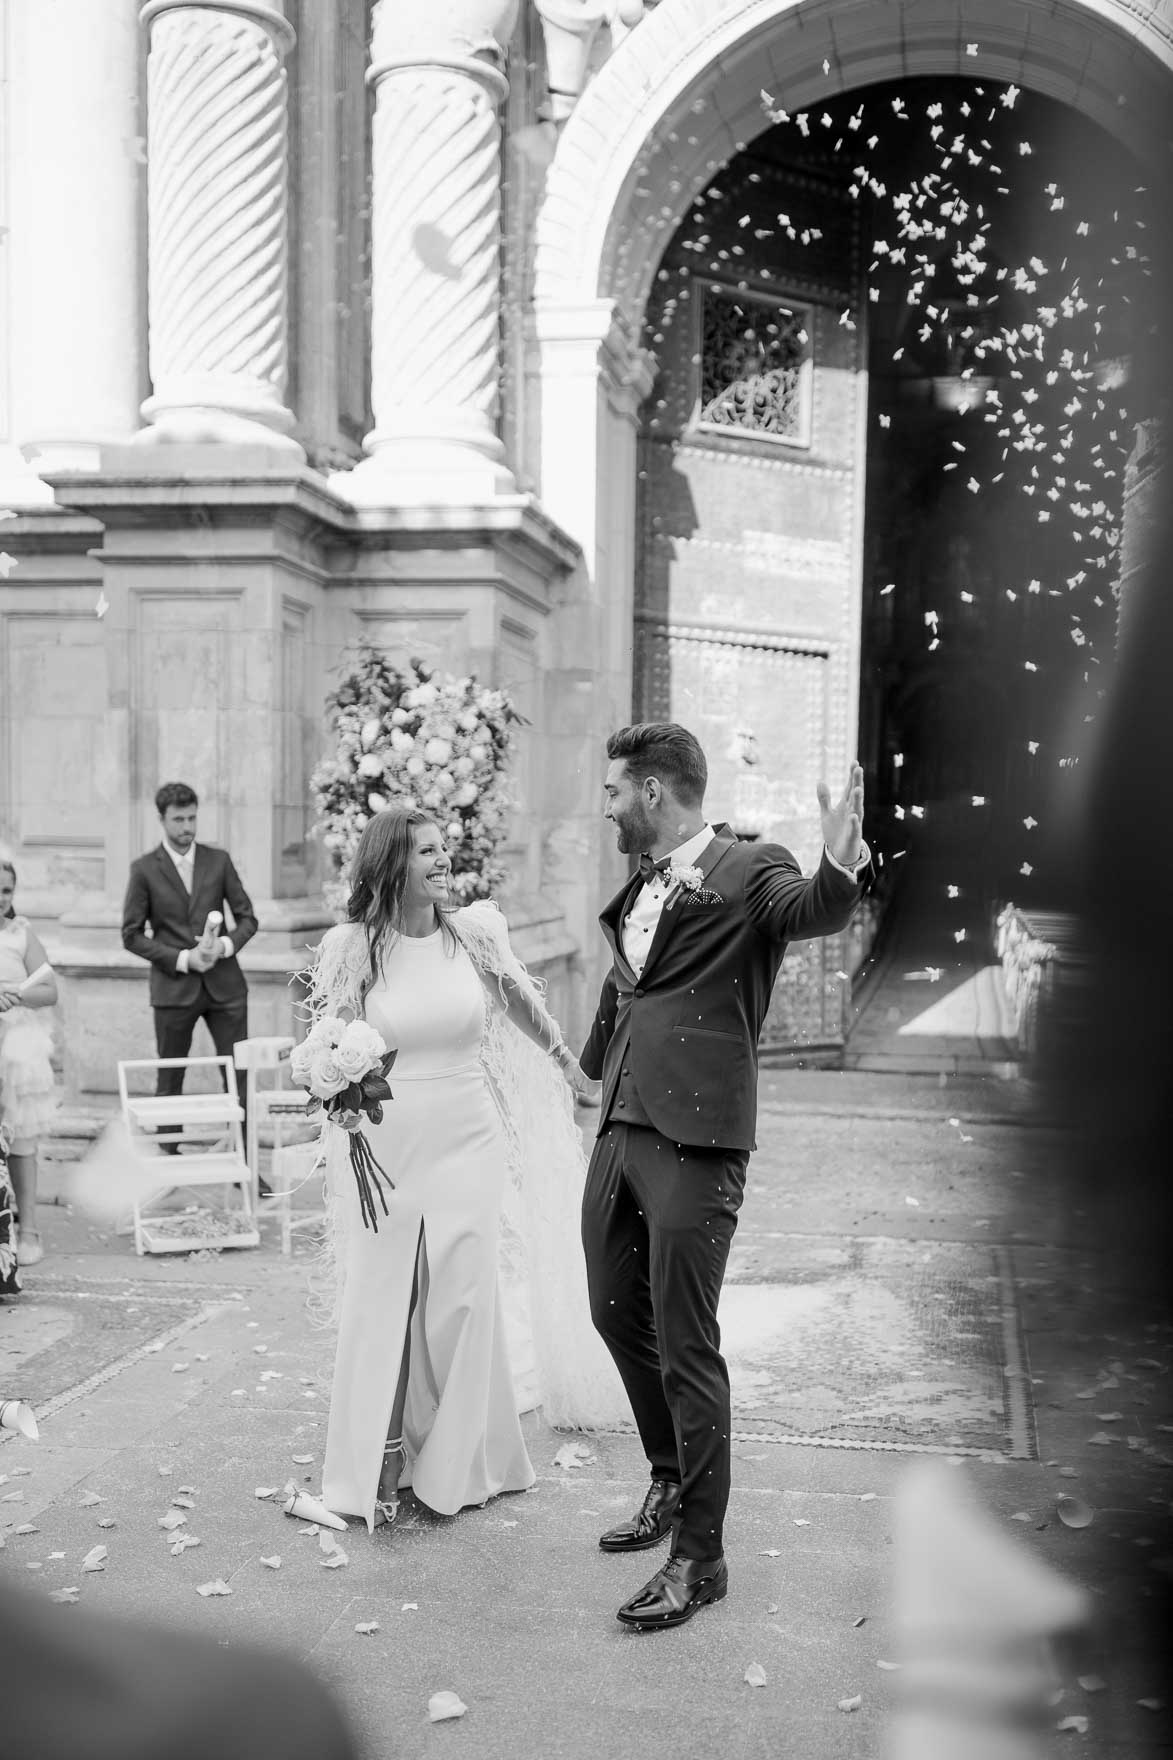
x: 641, y: 921
x: 185, y: 867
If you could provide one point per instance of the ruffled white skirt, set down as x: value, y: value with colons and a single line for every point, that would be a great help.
x: 28, y: 1097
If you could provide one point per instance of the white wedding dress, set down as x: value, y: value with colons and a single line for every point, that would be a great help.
x: 488, y: 1167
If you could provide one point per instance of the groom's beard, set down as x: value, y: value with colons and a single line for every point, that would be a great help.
x: 635, y: 832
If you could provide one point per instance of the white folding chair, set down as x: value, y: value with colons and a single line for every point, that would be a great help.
x: 283, y: 1110
x: 216, y: 1120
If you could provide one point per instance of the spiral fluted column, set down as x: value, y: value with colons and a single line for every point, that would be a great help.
x: 217, y: 181
x: 435, y: 264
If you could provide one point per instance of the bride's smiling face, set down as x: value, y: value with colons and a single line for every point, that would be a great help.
x: 428, y: 868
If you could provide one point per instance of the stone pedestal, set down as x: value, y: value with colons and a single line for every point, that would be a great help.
x: 217, y: 151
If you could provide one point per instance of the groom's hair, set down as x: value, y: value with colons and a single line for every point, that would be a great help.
x: 667, y: 751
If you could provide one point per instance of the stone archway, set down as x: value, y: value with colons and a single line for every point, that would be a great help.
x: 679, y: 97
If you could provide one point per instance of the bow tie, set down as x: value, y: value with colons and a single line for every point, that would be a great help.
x: 649, y: 869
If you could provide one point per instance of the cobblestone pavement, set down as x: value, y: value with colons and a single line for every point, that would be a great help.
x: 879, y: 1204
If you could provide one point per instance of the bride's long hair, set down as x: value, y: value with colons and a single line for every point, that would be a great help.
x: 378, y: 881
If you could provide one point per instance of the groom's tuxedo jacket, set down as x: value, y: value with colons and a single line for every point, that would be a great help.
x: 677, y: 1047
x: 156, y: 895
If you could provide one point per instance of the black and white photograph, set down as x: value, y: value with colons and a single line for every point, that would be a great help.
x: 586, y: 1005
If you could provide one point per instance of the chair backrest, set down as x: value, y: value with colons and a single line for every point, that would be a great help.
x: 262, y: 1053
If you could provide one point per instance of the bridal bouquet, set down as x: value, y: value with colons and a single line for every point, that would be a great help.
x: 344, y: 1065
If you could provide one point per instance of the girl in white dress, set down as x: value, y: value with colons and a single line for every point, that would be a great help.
x: 423, y: 1392
x: 27, y: 1092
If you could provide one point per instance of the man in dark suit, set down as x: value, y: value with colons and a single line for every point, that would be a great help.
x: 172, y: 889
x: 698, y: 936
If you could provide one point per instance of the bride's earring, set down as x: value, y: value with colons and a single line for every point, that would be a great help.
x: 386, y: 1509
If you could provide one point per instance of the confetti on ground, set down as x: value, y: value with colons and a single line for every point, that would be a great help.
x: 216, y: 1587
x: 1074, y: 1725
x: 852, y: 1704
x: 572, y: 1455
x: 174, y: 1518
x: 366, y: 1628
x: 266, y: 1490
x: 755, y: 1675
x: 95, y: 1559
x: 89, y: 1498
x: 1091, y: 1683
x: 273, y: 1563
x: 444, y: 1705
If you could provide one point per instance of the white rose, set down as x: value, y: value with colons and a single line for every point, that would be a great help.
x: 415, y: 766
x: 454, y: 831
x: 370, y: 764
x: 469, y: 720
x: 326, y: 1030
x: 437, y: 751
x: 432, y: 799
x: 300, y: 1059
x: 425, y: 695
x: 370, y: 731
x: 372, y: 1041
x: 445, y: 782
x: 478, y: 753
x: 400, y: 741
x: 378, y: 803
x: 463, y: 767
x: 398, y: 717
x: 352, y: 1059
x: 326, y: 1074
x: 466, y: 794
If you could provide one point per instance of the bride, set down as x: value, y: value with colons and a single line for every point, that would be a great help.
x: 486, y: 1168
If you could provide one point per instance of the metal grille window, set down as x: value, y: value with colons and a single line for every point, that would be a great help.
x: 755, y: 357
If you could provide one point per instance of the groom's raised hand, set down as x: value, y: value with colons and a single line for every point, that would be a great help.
x: 843, y: 819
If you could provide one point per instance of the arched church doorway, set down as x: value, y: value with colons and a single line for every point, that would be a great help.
x: 879, y: 484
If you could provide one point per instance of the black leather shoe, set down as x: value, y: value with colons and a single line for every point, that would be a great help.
x: 675, y: 1593
x: 651, y: 1524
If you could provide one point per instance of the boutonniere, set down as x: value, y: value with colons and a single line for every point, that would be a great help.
x: 691, y: 882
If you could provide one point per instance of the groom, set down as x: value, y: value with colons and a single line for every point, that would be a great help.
x: 698, y: 935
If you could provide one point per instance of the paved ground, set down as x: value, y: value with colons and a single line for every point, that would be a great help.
x: 199, y: 1379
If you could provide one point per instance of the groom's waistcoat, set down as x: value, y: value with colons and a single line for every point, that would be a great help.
x: 676, y: 1047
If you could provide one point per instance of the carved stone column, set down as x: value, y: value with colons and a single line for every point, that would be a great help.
x: 436, y: 247
x: 218, y: 223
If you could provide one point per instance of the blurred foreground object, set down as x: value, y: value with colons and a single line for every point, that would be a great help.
x: 15, y: 1415
x: 80, y: 1687
x: 977, y: 1615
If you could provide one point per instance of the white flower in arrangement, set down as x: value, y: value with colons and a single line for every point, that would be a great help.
x: 359, y: 1049
x: 326, y: 1030
x: 690, y: 879
x: 326, y: 1076
x: 463, y: 767
x: 378, y: 803
x: 478, y: 753
x: 445, y: 782
x: 398, y: 717
x: 466, y: 794
x: 453, y: 830
x: 432, y: 799
x: 401, y: 741
x: 469, y: 720
x: 438, y: 751
x: 370, y: 764
x: 370, y: 731
x: 415, y: 765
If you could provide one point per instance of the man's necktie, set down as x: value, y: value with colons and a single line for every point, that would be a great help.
x: 649, y: 869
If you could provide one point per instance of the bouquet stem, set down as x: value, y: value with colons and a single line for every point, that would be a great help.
x: 368, y: 1174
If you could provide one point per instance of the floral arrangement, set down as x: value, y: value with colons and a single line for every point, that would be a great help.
x: 691, y: 881
x: 344, y: 1065
x: 410, y: 738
